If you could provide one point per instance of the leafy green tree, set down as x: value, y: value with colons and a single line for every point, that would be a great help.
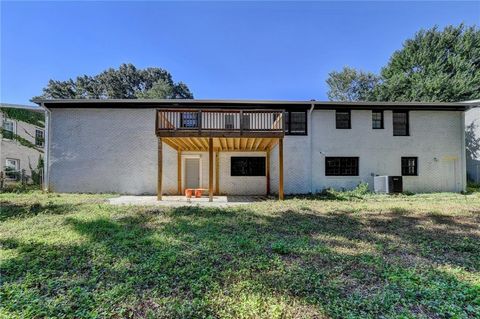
x: 126, y: 82
x: 434, y: 66
x: 160, y: 90
x: 351, y: 85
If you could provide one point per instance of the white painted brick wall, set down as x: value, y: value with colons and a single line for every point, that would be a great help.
x: 472, y: 118
x: 115, y: 150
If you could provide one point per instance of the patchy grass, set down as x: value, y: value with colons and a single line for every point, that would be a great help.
x: 73, y: 256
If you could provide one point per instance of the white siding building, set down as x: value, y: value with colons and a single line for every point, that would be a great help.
x: 111, y: 146
x: 15, y: 156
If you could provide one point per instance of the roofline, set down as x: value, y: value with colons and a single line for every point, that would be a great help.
x: 21, y: 106
x: 153, y: 103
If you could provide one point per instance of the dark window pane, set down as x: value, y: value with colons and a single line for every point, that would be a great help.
x: 247, y: 166
x: 342, y: 119
x: 341, y: 166
x: 189, y: 119
x: 400, y: 123
x: 409, y: 166
x: 296, y: 123
x: 377, y: 119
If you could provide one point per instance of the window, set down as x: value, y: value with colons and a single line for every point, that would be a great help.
x: 12, y: 167
x: 341, y: 166
x: 189, y: 120
x: 39, y: 138
x: 8, y: 129
x: 342, y: 119
x: 296, y: 122
x: 246, y: 122
x: 229, y: 121
x: 247, y: 166
x: 409, y: 166
x: 377, y: 119
x: 400, y: 123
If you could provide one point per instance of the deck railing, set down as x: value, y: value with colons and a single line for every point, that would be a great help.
x: 194, y: 122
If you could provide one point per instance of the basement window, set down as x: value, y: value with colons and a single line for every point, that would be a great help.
x: 247, y: 166
x: 341, y: 166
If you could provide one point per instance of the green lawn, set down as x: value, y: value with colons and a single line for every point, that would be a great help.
x: 73, y: 256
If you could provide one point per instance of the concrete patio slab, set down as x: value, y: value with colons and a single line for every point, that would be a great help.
x: 178, y: 201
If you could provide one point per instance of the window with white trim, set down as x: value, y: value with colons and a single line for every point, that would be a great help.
x: 12, y: 168
x: 39, y: 137
x: 9, y: 128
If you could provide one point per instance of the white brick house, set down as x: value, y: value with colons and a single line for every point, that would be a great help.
x: 472, y: 127
x: 232, y: 147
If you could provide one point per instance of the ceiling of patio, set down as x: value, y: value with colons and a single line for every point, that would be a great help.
x: 220, y: 144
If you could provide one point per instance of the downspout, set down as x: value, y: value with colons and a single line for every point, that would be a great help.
x: 463, y: 155
x: 310, y: 126
x: 46, y: 162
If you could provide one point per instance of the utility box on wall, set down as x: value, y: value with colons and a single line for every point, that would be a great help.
x: 388, y: 184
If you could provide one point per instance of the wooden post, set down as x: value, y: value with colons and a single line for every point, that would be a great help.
x: 160, y: 169
x: 280, y: 168
x: 268, y: 172
x: 210, y: 169
x: 179, y: 171
x: 217, y: 173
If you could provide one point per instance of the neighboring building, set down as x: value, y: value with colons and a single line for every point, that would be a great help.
x: 472, y: 135
x: 251, y: 147
x: 22, y: 139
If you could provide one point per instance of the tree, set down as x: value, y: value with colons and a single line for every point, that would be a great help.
x: 160, y: 90
x: 351, y: 85
x: 434, y: 66
x: 126, y: 82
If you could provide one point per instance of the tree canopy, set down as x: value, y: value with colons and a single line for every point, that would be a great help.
x: 351, y: 85
x: 434, y: 66
x: 126, y: 82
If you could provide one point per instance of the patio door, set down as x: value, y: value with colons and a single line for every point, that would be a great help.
x: 192, y: 173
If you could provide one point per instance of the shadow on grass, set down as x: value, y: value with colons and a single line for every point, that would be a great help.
x: 200, y: 262
x: 11, y: 210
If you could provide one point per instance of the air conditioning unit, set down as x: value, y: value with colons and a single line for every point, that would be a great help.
x: 388, y: 184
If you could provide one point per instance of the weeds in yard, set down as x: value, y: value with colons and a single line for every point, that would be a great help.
x: 392, y: 257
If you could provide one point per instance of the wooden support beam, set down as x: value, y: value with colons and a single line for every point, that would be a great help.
x: 179, y: 172
x: 210, y: 169
x: 217, y: 173
x: 280, y: 168
x: 160, y: 169
x: 268, y: 172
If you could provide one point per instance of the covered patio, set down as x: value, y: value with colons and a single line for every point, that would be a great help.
x: 217, y: 131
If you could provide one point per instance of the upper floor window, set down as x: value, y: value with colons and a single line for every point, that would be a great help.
x: 296, y: 122
x: 8, y: 129
x: 189, y: 120
x: 39, y: 138
x: 400, y: 123
x: 341, y: 166
x: 343, y: 119
x: 409, y: 166
x: 247, y: 166
x: 377, y: 119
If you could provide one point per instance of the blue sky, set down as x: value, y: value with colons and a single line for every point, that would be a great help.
x: 222, y: 50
